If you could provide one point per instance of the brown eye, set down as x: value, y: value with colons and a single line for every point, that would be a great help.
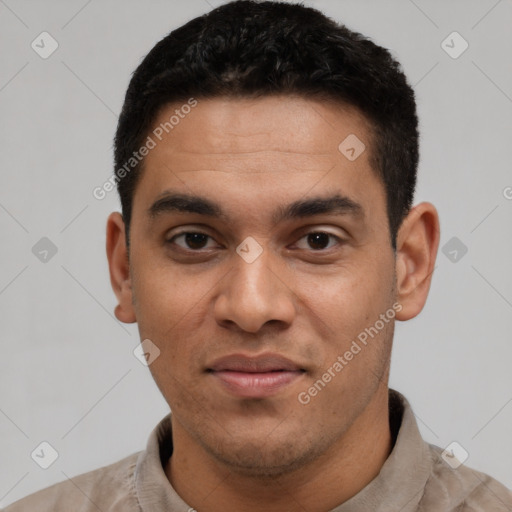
x: 193, y: 241
x: 319, y: 240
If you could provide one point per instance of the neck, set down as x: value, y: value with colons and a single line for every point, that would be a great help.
x: 341, y: 472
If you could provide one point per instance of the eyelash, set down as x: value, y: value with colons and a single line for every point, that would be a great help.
x: 174, y: 237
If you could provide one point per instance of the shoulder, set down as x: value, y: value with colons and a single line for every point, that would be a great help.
x: 109, y: 489
x: 463, y: 488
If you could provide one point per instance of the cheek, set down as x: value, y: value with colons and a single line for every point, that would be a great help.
x: 347, y: 300
x: 169, y: 309
x: 165, y: 294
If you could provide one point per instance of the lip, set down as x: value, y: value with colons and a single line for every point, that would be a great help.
x: 255, y: 376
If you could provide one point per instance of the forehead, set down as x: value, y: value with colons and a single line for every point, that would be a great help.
x: 270, y: 123
x: 254, y: 152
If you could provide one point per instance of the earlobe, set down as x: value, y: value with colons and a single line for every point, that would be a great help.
x: 417, y: 244
x: 119, y: 268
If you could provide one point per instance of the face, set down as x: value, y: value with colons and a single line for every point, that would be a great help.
x: 261, y: 279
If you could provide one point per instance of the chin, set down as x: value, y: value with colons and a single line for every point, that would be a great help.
x: 264, y: 458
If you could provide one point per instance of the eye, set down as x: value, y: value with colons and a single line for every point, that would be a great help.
x: 193, y: 240
x: 319, y: 240
x: 196, y: 241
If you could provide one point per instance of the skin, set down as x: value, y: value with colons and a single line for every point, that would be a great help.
x: 303, y: 301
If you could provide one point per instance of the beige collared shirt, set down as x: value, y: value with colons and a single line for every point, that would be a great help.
x: 414, y: 478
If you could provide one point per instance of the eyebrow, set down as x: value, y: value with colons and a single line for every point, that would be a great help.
x: 189, y: 203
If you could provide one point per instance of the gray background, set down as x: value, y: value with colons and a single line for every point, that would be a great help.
x: 67, y: 372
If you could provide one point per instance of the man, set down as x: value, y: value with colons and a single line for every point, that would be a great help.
x: 266, y: 163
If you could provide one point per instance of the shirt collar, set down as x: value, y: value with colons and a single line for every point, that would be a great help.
x: 401, y: 481
x: 398, y: 486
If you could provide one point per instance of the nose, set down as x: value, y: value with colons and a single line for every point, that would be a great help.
x: 254, y: 294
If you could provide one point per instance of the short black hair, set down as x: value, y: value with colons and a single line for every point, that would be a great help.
x: 246, y: 48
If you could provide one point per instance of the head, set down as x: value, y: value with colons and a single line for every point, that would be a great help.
x: 270, y: 214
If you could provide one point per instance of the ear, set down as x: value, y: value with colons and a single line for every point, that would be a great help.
x: 417, y: 244
x: 119, y: 268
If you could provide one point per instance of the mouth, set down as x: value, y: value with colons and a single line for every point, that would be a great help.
x: 255, y: 377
